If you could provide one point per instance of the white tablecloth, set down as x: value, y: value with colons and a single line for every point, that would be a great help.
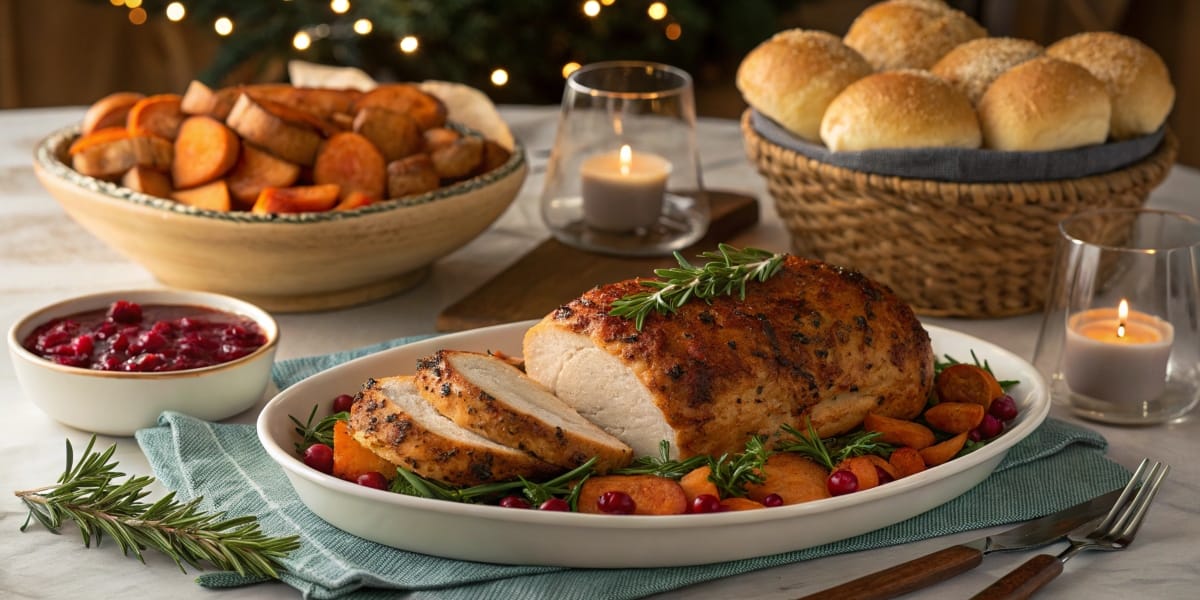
x: 44, y: 256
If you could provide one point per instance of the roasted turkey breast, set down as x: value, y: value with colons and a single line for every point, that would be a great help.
x: 812, y: 341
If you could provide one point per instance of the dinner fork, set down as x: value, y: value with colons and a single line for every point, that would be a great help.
x: 1114, y: 531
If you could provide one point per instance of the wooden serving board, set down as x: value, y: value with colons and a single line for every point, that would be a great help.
x: 553, y: 273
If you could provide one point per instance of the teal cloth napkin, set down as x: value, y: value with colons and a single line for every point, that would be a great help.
x: 228, y: 467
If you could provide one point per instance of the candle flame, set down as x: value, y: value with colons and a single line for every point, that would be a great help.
x: 626, y: 158
x: 1122, y: 317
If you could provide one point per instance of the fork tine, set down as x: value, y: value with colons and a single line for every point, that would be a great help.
x: 1132, y: 520
x: 1131, y: 488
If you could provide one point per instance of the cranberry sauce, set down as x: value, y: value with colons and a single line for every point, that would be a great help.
x: 130, y: 337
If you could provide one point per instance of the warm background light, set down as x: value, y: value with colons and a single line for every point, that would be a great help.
x: 223, y: 26
x: 363, y: 26
x: 569, y: 68
x: 408, y: 44
x: 133, y: 3
x: 340, y: 6
x: 137, y: 16
x: 657, y: 11
x: 673, y: 31
x: 301, y: 41
x: 591, y: 8
x: 499, y: 77
x: 176, y: 11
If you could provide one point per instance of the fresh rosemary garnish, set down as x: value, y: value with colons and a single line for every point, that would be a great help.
x: 663, y: 465
x: 830, y: 452
x: 940, y: 365
x: 727, y: 272
x: 319, y: 433
x: 564, y: 486
x: 732, y: 473
x: 86, y: 494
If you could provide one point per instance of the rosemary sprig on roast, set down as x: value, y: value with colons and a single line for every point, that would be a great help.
x: 728, y: 271
x: 662, y: 465
x: 87, y: 494
x: 732, y: 473
x: 566, y: 486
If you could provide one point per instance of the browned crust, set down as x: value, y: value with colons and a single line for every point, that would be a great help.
x: 724, y: 370
x: 397, y: 437
x: 459, y: 399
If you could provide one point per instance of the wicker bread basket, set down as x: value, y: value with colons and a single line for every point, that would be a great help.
x: 948, y: 249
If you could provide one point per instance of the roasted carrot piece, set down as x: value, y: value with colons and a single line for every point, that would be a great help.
x: 351, y: 459
x: 111, y: 158
x: 157, y: 115
x: 794, y: 478
x: 352, y: 162
x: 652, y: 495
x: 298, y: 199
x: 354, y: 200
x: 205, y: 150
x: 426, y: 109
x: 899, y: 432
x: 109, y: 111
x: 955, y: 417
x: 967, y: 383
x: 696, y: 483
x: 943, y: 451
x: 210, y: 196
x: 735, y: 503
x: 906, y: 461
x: 863, y: 469
x: 883, y: 466
x: 256, y: 170
x: 99, y: 136
x: 147, y: 181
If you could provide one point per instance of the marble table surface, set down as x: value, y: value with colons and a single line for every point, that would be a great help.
x: 45, y: 256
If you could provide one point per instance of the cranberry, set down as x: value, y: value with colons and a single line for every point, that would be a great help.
x: 123, y: 311
x: 119, y: 342
x: 771, y: 500
x: 555, y: 504
x: 192, y: 323
x: 1003, y: 408
x: 371, y: 479
x: 616, y: 502
x: 144, y: 362
x: 107, y: 362
x: 514, y: 502
x: 342, y: 403
x: 163, y: 327
x: 151, y: 341
x: 989, y: 428
x: 319, y: 457
x: 884, y: 476
x: 842, y: 482
x: 706, y: 503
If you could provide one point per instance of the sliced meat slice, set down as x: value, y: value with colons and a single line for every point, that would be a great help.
x: 396, y: 423
x: 491, y: 397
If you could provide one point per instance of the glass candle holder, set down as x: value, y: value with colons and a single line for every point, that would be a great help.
x: 624, y: 175
x: 1120, y: 340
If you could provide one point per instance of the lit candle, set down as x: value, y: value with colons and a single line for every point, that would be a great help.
x: 623, y: 191
x: 1117, y: 355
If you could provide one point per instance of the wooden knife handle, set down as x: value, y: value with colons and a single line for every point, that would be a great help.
x: 1023, y: 581
x: 900, y: 579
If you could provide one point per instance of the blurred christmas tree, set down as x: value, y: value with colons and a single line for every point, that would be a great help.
x: 519, y: 51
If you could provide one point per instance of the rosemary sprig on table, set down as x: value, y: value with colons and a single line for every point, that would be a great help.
x: 86, y: 494
x: 834, y: 450
x: 727, y: 272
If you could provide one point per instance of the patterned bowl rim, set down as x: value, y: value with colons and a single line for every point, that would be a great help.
x: 47, y: 156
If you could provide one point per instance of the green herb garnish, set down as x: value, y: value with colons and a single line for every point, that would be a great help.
x: 320, y: 432
x: 565, y: 486
x: 732, y: 473
x: 940, y: 365
x: 86, y: 494
x: 727, y: 272
x: 830, y: 452
x: 663, y: 465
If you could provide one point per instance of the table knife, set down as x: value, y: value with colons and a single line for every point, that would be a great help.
x: 946, y: 563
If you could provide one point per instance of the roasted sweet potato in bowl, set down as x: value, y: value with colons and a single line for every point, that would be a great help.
x: 283, y: 261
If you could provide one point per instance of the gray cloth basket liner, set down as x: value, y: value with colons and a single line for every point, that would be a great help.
x: 963, y: 165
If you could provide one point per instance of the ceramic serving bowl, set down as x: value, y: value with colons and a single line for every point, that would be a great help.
x: 282, y: 262
x: 120, y: 402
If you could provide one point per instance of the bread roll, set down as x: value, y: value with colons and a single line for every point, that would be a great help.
x: 795, y: 74
x: 900, y: 109
x: 973, y: 66
x: 905, y: 34
x: 1044, y: 104
x: 1135, y: 76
